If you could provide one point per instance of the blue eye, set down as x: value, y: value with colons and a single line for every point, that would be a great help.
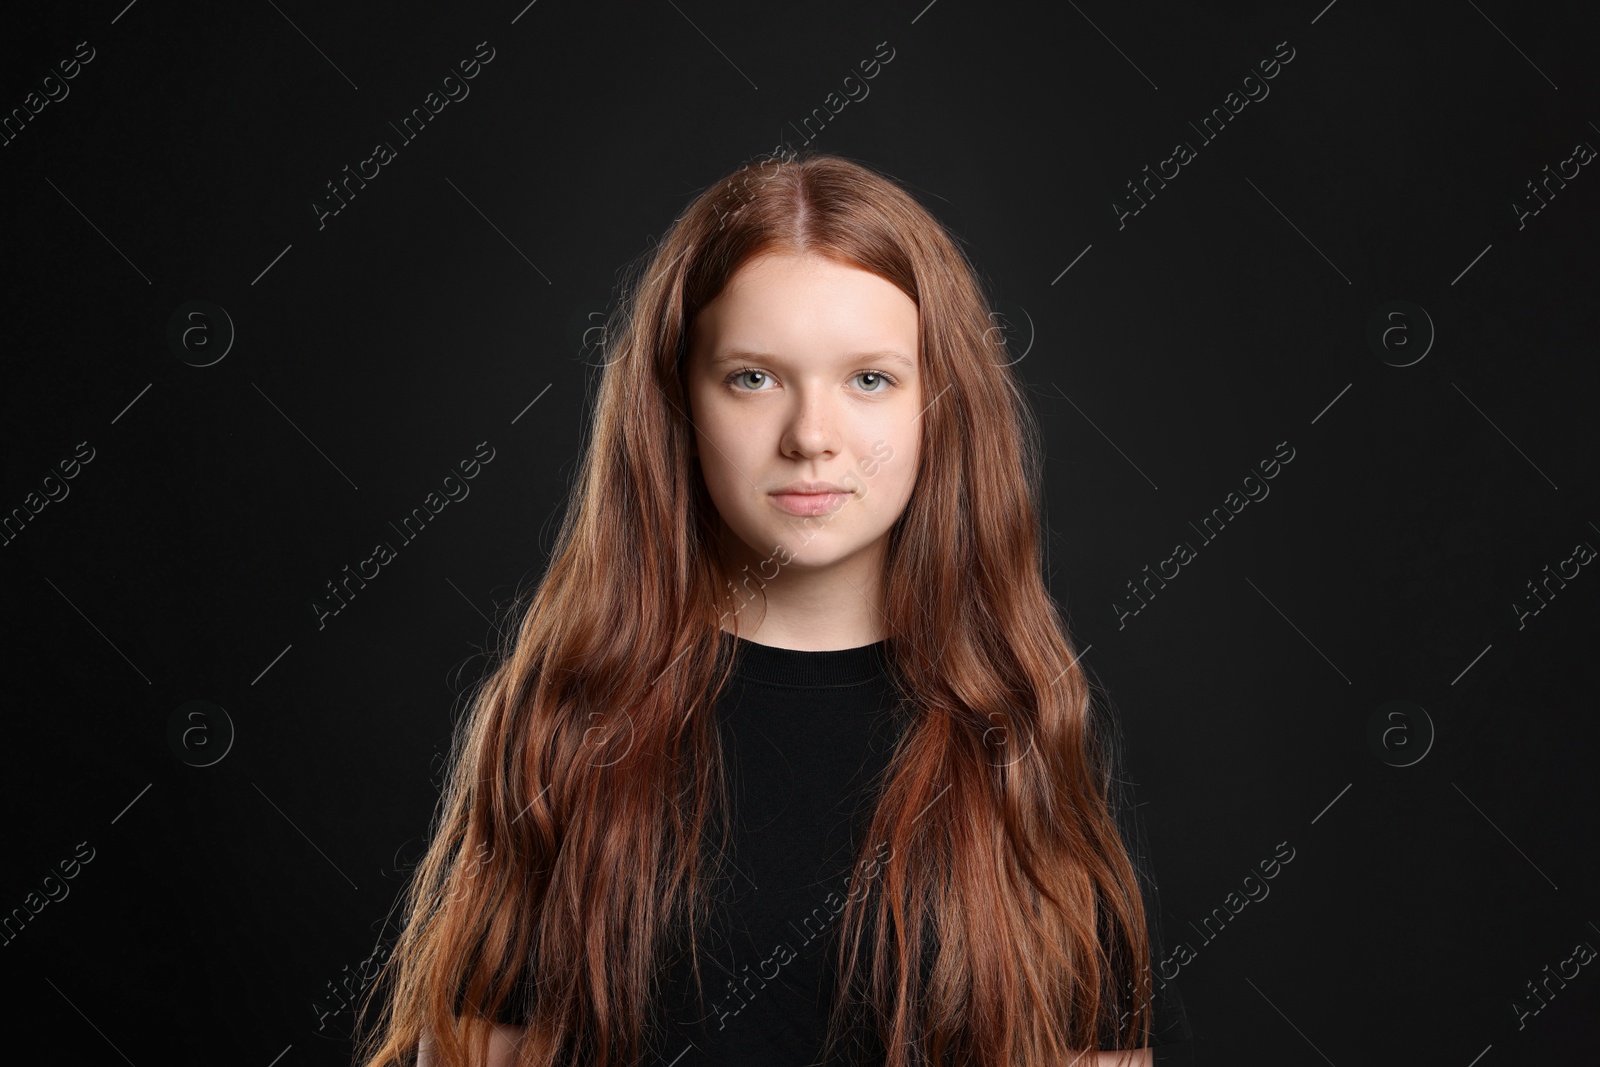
x: 745, y: 372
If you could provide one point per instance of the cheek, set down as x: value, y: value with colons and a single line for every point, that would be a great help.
x: 723, y: 471
x: 899, y: 469
x: 724, y: 421
x: 886, y: 484
x: 904, y: 482
x: 720, y: 476
x: 729, y: 446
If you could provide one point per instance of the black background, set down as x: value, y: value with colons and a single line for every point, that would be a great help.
x: 227, y: 907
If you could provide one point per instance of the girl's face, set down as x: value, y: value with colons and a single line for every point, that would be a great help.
x: 804, y: 370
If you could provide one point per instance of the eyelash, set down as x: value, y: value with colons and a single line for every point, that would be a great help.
x: 885, y: 375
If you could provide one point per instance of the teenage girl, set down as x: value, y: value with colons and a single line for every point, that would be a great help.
x: 810, y: 457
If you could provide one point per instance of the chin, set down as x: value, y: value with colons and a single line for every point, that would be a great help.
x: 822, y: 551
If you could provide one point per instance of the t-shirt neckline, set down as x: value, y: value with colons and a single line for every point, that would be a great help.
x: 812, y: 670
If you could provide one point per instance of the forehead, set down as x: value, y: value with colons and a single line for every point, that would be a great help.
x: 776, y: 304
x: 812, y: 270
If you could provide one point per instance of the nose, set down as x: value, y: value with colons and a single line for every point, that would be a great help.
x: 812, y: 429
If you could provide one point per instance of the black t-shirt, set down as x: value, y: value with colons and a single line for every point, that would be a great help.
x: 807, y: 737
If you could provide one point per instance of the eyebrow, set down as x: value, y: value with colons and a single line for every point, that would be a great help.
x: 887, y: 355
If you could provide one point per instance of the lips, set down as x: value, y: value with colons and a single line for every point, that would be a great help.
x: 809, y: 498
x: 811, y: 487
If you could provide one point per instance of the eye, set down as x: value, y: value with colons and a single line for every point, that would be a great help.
x: 745, y: 372
x: 878, y: 375
x: 744, y: 375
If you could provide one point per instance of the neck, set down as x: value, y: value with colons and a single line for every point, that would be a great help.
x: 814, y: 608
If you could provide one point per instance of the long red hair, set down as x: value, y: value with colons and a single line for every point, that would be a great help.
x: 1003, y: 924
